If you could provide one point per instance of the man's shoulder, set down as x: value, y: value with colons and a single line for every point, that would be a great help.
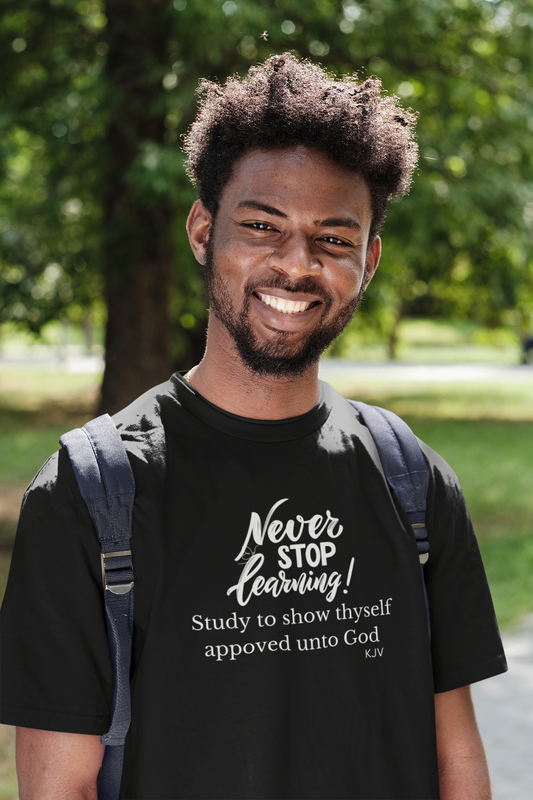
x: 145, y: 412
x: 443, y: 479
x: 442, y: 475
x: 141, y: 424
x: 142, y: 429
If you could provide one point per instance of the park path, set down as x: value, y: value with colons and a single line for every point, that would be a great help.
x: 330, y: 368
x: 425, y: 373
x: 504, y: 710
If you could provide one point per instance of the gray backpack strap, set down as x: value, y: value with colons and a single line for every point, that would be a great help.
x: 106, y: 483
x: 405, y: 469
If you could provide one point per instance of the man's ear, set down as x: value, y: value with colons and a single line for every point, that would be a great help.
x: 372, y: 259
x: 198, y: 229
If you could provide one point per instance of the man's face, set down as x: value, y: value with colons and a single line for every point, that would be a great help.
x: 286, y: 261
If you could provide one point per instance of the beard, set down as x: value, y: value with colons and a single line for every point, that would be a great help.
x: 282, y: 357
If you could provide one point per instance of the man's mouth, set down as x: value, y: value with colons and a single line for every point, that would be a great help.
x: 286, y: 306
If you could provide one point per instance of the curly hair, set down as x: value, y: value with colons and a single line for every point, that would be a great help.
x: 285, y: 102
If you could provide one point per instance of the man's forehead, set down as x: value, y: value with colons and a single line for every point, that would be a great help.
x: 272, y: 158
x: 266, y: 179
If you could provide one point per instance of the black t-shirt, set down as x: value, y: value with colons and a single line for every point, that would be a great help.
x: 281, y: 647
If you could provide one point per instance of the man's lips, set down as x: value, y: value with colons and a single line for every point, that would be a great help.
x: 284, y: 305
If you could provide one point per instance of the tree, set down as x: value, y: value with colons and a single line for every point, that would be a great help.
x: 137, y: 228
x: 50, y: 126
x: 96, y: 104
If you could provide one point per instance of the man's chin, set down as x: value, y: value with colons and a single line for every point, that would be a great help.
x: 285, y: 353
x: 277, y: 368
x: 282, y: 359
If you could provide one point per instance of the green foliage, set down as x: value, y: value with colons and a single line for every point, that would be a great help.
x: 49, y: 211
x: 459, y: 245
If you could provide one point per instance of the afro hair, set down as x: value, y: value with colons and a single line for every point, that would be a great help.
x: 284, y: 103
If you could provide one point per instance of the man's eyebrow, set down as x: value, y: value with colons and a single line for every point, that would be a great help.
x: 339, y: 222
x: 262, y: 207
x: 333, y: 222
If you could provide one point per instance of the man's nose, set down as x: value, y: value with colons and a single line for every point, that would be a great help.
x: 294, y: 257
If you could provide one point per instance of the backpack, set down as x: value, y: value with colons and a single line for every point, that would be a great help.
x: 106, y: 483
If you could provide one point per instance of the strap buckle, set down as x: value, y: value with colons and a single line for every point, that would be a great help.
x: 115, y: 588
x: 416, y: 526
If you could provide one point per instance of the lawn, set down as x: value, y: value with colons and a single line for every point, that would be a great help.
x: 36, y: 407
x: 493, y: 462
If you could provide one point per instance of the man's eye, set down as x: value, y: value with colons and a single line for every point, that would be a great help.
x: 334, y: 240
x: 258, y: 226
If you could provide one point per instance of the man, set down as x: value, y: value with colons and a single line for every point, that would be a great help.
x: 281, y: 647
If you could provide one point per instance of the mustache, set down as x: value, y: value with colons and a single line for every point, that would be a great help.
x: 306, y: 285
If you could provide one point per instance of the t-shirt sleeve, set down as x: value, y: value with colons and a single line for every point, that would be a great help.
x: 465, y: 642
x: 56, y: 669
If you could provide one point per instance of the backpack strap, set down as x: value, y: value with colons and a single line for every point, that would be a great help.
x: 106, y: 483
x: 405, y: 469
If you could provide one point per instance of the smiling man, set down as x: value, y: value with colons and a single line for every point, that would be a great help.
x: 286, y: 263
x: 281, y: 645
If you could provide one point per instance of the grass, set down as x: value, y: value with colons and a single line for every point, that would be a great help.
x: 434, y: 342
x: 40, y: 389
x: 8, y: 777
x: 434, y: 353
x: 36, y: 407
x: 25, y: 447
x: 493, y: 462
x: 461, y: 400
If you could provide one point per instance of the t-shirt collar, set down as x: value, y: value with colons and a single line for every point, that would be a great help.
x: 255, y: 429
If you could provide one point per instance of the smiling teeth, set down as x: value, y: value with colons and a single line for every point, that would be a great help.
x: 285, y: 306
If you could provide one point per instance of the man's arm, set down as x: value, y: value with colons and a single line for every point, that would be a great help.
x: 57, y: 766
x: 463, y: 770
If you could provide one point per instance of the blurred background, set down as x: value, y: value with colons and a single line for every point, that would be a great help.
x: 94, y: 259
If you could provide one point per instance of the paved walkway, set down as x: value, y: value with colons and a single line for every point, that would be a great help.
x: 504, y: 710
x: 47, y: 358
x: 426, y: 373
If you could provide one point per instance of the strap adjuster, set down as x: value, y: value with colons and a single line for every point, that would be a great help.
x: 417, y: 526
x: 115, y: 588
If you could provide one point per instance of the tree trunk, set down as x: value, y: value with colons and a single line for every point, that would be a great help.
x: 87, y: 325
x: 137, y: 335
x: 137, y: 247
x: 393, y: 337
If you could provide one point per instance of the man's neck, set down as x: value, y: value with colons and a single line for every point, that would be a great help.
x: 223, y: 379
